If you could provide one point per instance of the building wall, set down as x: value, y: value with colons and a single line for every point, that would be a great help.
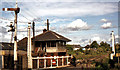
x: 24, y: 62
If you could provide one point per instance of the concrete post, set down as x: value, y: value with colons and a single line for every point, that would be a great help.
x: 113, y: 42
x: 29, y: 48
x: 113, y: 46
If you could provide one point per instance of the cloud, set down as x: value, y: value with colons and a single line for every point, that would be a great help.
x: 63, y: 9
x: 104, y: 20
x: 3, y: 30
x: 62, y: 0
x: 117, y: 36
x: 78, y: 24
x: 58, y: 20
x: 97, y: 38
x: 106, y: 25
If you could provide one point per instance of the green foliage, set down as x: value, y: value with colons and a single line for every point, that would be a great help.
x: 117, y: 48
x: 80, y: 50
x: 95, y: 50
x: 94, y: 44
x: 69, y: 47
x: 105, y: 46
x: 102, y: 66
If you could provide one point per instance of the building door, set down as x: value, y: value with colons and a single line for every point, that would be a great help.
x: 8, y: 62
x: 19, y: 63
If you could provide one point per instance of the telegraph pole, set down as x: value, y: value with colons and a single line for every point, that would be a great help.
x: 47, y: 24
x: 16, y: 10
x: 33, y: 28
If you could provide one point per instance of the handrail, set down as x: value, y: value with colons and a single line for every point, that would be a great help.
x: 50, y: 57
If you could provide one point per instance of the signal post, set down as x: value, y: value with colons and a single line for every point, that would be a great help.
x: 16, y: 10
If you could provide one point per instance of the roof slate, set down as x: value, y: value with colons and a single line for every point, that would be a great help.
x: 10, y: 46
x: 50, y: 36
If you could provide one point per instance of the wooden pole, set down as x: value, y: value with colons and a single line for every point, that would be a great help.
x: 15, y: 42
x: 2, y: 61
x: 47, y: 24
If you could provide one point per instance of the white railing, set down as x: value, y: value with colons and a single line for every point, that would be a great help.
x: 51, y: 58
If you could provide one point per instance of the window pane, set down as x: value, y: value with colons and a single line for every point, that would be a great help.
x: 53, y: 44
x: 48, y: 44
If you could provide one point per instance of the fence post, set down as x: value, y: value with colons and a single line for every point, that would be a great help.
x: 57, y: 61
x: 38, y: 63
x: 67, y: 60
x: 62, y: 61
x: 51, y: 61
x: 44, y: 61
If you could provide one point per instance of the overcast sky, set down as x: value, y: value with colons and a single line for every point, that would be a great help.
x: 80, y: 21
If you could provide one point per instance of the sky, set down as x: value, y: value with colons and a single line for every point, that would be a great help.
x: 80, y: 21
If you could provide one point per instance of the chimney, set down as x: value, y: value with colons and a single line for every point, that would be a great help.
x: 44, y: 30
x: 47, y: 24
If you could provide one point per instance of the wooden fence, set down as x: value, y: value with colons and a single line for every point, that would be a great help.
x: 57, y: 58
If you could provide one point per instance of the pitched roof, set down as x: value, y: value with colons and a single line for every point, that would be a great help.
x: 6, y: 46
x: 49, y: 36
x: 23, y: 44
x: 10, y: 46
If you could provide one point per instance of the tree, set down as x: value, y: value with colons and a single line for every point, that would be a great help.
x: 105, y: 46
x: 117, y: 48
x: 69, y: 47
x: 80, y: 50
x: 94, y: 44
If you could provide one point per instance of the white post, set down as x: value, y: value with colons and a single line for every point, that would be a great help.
x: 57, y: 61
x: 44, y: 62
x: 37, y: 63
x: 15, y: 42
x: 51, y: 61
x: 113, y: 45
x: 113, y: 42
x: 29, y: 48
x: 67, y: 60
x: 62, y: 61
x: 2, y: 61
